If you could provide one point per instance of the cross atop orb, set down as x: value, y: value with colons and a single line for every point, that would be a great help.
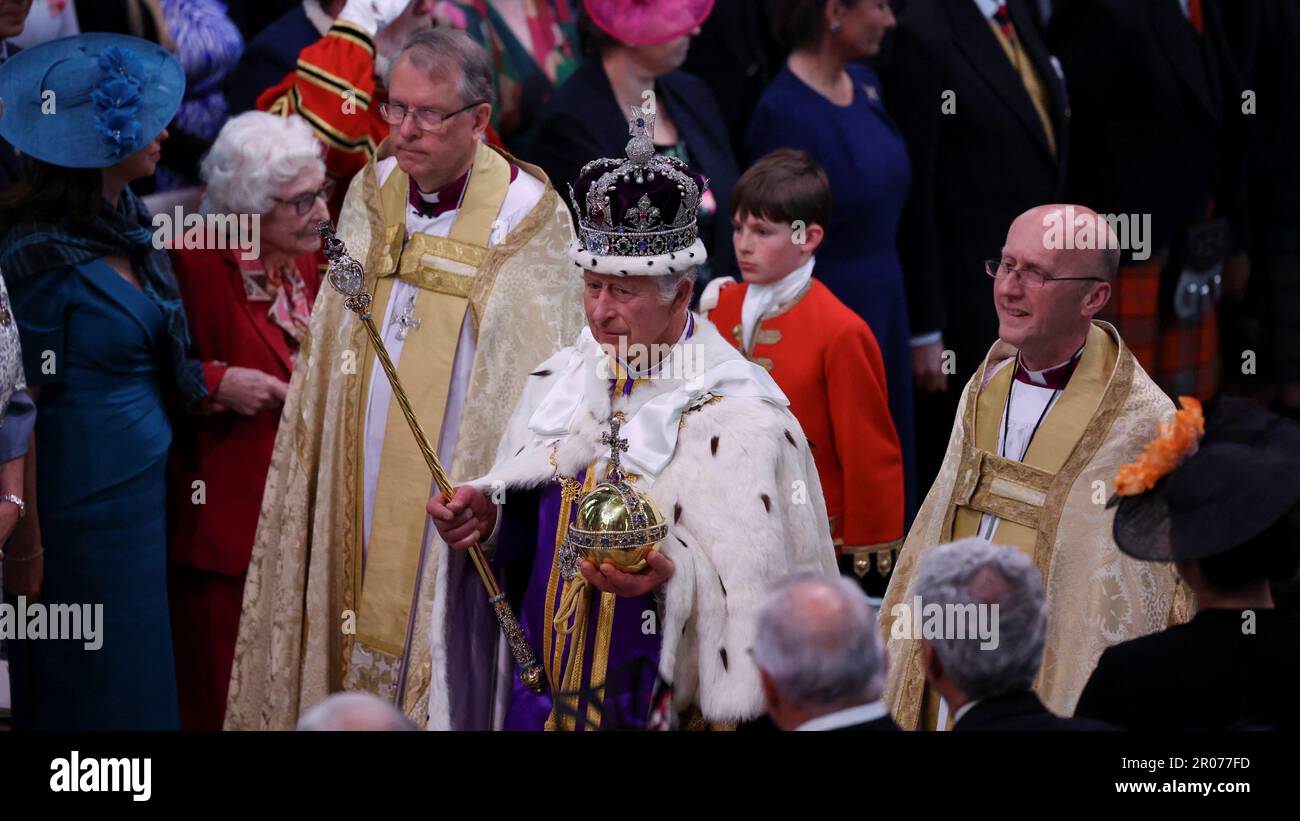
x: 616, y: 444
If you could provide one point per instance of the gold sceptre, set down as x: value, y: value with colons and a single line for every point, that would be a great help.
x: 348, y: 278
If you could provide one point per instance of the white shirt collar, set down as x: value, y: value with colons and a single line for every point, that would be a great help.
x: 1187, y: 10
x: 963, y: 710
x: 846, y: 718
x: 988, y: 8
x: 1038, y: 378
x: 317, y: 16
x: 760, y: 300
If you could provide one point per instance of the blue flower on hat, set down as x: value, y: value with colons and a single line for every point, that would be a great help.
x: 118, y: 60
x: 120, y: 131
x: 118, y: 92
x: 117, y: 98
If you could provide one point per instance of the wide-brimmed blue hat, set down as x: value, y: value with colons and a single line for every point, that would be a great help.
x: 112, y: 94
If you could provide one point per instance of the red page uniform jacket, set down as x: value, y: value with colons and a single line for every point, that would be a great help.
x: 826, y: 360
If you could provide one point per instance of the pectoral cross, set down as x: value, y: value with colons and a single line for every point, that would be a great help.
x: 408, y: 321
x: 616, y: 444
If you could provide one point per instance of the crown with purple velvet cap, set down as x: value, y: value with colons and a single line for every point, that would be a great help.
x: 636, y: 215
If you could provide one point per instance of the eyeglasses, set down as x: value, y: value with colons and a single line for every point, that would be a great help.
x: 304, y: 202
x: 426, y: 118
x: 1028, y: 278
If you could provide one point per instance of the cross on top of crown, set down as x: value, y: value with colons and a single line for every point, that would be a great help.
x: 642, y: 122
x: 615, y: 445
x: 641, y: 125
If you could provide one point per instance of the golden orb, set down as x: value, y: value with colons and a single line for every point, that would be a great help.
x: 616, y: 523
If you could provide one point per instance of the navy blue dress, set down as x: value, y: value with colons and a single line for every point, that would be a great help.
x: 95, y: 343
x: 863, y: 154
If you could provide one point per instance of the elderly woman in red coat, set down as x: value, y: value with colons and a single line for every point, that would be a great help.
x: 266, y: 178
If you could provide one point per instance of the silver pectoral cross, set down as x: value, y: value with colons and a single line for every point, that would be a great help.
x: 408, y: 321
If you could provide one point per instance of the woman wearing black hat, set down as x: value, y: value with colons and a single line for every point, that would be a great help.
x: 1224, y: 507
x: 104, y: 340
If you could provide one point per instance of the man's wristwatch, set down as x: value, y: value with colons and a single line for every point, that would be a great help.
x: 22, y: 507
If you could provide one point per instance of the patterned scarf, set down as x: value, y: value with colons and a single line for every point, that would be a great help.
x: 283, y: 287
x: 32, y: 247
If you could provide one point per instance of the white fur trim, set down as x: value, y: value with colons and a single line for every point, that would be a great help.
x: 745, y: 510
x: 710, y: 295
x: 675, y: 263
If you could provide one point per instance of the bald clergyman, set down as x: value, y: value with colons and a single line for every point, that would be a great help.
x: 1057, y: 406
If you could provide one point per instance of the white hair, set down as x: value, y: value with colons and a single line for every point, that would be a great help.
x: 669, y: 283
x: 817, y: 642
x: 354, y: 711
x: 972, y: 571
x: 253, y: 158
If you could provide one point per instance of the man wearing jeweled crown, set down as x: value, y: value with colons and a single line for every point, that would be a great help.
x: 655, y: 393
x: 1043, y: 427
x: 465, y: 251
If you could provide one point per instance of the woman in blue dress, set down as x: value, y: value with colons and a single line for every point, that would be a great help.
x: 827, y: 103
x: 104, y: 341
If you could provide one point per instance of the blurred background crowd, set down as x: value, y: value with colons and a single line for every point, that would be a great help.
x: 937, y: 122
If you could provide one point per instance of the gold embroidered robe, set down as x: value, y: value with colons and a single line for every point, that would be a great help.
x: 1053, y: 507
x: 309, y: 625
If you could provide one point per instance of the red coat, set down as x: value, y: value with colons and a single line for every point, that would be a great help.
x: 228, y: 452
x: 826, y: 360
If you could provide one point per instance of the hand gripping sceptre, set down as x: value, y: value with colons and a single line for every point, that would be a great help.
x: 347, y: 277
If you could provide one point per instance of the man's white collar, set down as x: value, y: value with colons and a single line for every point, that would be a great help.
x: 860, y: 714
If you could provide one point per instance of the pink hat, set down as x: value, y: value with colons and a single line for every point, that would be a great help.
x: 647, y: 22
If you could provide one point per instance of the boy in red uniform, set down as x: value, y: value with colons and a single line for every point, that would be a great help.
x: 821, y: 354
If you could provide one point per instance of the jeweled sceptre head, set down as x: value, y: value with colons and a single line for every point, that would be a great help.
x: 345, y: 273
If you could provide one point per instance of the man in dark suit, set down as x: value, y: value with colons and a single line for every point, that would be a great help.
x: 1158, y: 129
x: 984, y: 114
x: 819, y: 657
x: 991, y: 638
x: 1264, y: 40
x: 1229, y: 519
x: 1021, y: 710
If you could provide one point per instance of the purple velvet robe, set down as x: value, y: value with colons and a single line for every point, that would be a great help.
x: 633, y: 653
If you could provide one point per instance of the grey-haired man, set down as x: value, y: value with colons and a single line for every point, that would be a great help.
x: 819, y: 657
x: 985, y: 676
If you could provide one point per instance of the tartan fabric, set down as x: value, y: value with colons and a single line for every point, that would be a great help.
x: 1182, y: 357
